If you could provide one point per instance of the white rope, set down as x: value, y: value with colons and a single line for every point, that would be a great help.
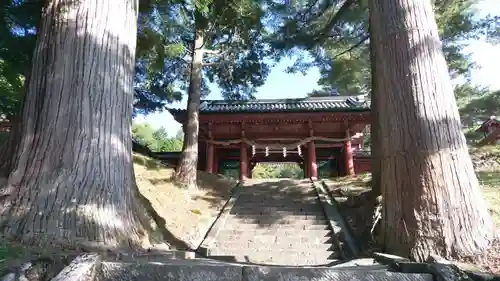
x: 280, y: 146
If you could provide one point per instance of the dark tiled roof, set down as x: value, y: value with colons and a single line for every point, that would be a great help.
x: 492, y: 121
x: 362, y: 153
x: 313, y: 104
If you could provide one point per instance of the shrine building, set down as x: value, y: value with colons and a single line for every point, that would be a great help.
x: 324, y: 135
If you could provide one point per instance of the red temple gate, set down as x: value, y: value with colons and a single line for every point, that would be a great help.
x: 306, y: 131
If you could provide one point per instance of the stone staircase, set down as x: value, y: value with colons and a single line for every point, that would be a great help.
x: 276, y: 222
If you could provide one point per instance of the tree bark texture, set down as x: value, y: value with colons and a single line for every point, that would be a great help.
x: 188, y: 163
x: 71, y: 181
x: 432, y: 200
x: 8, y: 149
x: 374, y: 126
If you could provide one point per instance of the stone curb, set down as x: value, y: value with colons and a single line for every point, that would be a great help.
x: 337, y: 223
x: 90, y: 267
x: 440, y: 271
x: 82, y: 268
x: 220, y: 221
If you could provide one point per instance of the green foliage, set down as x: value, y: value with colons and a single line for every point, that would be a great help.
x: 476, y: 105
x: 11, y: 87
x: 17, y: 26
x: 335, y: 34
x: 233, y: 41
x: 283, y: 170
x: 154, y: 85
x: 156, y: 140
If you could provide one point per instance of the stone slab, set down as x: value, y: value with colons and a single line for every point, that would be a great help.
x: 264, y: 260
x: 114, y: 271
x: 448, y: 272
x: 82, y: 268
x: 389, y: 259
x: 482, y: 276
x: 361, y: 262
x: 337, y: 222
x: 325, y: 274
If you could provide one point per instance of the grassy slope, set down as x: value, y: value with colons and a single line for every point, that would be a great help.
x: 487, y: 165
x: 185, y: 214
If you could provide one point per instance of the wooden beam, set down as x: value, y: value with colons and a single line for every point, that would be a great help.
x: 281, y: 118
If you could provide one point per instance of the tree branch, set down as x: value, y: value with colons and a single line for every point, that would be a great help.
x: 363, y: 40
x: 215, y: 53
x: 334, y: 20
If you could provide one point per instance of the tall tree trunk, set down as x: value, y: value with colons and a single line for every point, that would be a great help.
x: 374, y: 127
x: 8, y: 148
x: 375, y: 140
x: 71, y: 181
x: 433, y: 203
x: 188, y: 163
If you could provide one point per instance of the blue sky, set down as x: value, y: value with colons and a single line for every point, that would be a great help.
x: 283, y: 85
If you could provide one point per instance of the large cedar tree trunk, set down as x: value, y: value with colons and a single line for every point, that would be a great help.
x: 71, y: 181
x: 432, y: 200
x: 8, y: 149
x: 187, y: 167
x: 374, y: 126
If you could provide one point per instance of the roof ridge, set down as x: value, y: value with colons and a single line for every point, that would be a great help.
x: 291, y: 100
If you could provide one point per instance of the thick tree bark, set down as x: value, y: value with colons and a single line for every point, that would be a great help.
x: 8, y: 150
x: 71, y: 181
x: 374, y: 127
x: 433, y: 203
x: 188, y: 163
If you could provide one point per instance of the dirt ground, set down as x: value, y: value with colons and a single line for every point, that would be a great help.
x: 186, y: 214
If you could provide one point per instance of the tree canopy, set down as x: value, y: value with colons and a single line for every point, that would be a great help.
x: 335, y: 36
x: 157, y: 140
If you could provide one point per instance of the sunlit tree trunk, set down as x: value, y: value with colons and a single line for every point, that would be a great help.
x: 71, y: 181
x: 187, y: 167
x: 433, y: 203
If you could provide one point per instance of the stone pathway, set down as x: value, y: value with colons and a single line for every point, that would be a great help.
x: 278, y: 222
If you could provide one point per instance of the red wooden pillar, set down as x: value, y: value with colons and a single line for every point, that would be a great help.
x: 349, y: 162
x: 243, y: 162
x: 216, y: 162
x: 210, y: 158
x: 311, y: 160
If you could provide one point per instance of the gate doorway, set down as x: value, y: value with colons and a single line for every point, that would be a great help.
x: 273, y: 170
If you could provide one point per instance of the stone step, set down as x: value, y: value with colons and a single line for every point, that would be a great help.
x: 328, y: 274
x: 250, y: 207
x: 280, y: 232
x: 276, y: 212
x: 292, y: 193
x: 271, y: 201
x: 282, y: 204
x: 221, y: 271
x: 232, y: 225
x: 267, y: 255
x: 235, y: 246
x: 278, y: 217
x: 268, y: 196
x: 277, y: 261
x: 187, y: 270
x: 266, y: 220
x: 294, y: 238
